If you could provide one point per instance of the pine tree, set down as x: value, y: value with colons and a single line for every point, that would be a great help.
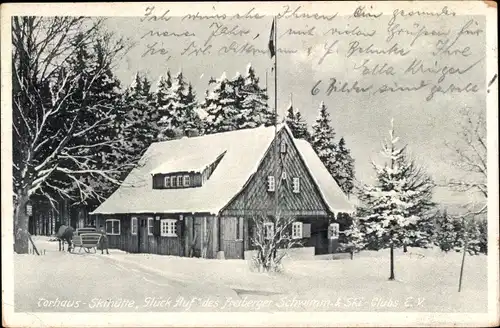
x: 395, y: 202
x: 344, y: 167
x: 355, y: 239
x: 323, y: 140
x: 255, y: 111
x: 483, y: 239
x: 296, y: 123
x: 140, y: 121
x: 221, y: 106
x: 445, y: 235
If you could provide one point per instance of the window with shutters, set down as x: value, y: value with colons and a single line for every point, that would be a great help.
x: 133, y: 225
x: 271, y: 184
x: 112, y: 227
x: 296, y: 230
x: 296, y: 185
x: 268, y: 230
x: 168, y: 228
x: 151, y: 226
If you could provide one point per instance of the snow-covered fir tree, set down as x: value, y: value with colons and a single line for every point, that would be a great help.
x: 393, y: 203
x: 445, y: 231
x: 323, y: 139
x: 254, y: 105
x: 354, y: 238
x: 344, y: 167
x: 176, y: 103
x: 296, y: 123
x: 467, y: 236
x: 237, y: 103
x: 141, y: 116
x: 336, y: 157
x: 221, y: 106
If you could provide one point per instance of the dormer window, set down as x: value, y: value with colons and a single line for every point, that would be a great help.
x: 166, y: 182
x: 187, y: 181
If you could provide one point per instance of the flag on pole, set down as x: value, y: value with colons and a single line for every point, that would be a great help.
x: 272, y: 48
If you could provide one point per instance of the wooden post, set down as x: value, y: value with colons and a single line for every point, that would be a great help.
x: 392, y: 262
x: 463, y: 257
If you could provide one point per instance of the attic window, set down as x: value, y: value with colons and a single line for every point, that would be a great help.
x: 271, y: 184
x: 296, y: 185
x: 283, y: 147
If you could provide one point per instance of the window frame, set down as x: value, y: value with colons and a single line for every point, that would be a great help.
x: 132, y: 219
x: 271, y: 183
x: 187, y: 178
x: 296, y: 185
x: 283, y: 147
x: 268, y: 236
x: 112, y: 227
x: 180, y: 179
x: 297, y: 226
x: 171, y: 224
x: 165, y: 184
x: 337, y: 231
x: 151, y: 226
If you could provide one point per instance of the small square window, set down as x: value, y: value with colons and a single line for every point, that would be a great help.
x: 271, y: 184
x: 296, y: 185
x: 296, y: 230
x: 168, y: 228
x: 187, y: 181
x: 112, y: 227
x: 166, y: 182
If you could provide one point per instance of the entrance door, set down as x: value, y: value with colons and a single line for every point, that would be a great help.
x: 143, y: 235
x: 199, y: 233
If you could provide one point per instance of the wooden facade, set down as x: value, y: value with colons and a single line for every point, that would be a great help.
x: 231, y: 230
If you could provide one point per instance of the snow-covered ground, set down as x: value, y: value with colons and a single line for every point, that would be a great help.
x: 426, y: 280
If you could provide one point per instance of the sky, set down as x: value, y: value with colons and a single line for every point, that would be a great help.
x: 363, y: 119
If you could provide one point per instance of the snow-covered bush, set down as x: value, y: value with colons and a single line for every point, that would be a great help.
x: 271, y: 236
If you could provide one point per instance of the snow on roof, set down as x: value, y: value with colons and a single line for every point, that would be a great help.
x: 243, y: 149
x: 333, y: 196
x: 195, y: 161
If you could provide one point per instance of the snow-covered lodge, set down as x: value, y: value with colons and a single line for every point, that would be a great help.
x: 198, y: 195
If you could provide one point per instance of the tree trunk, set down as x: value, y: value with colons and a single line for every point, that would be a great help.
x: 352, y: 255
x: 392, y: 263
x: 405, y: 249
x: 21, y: 221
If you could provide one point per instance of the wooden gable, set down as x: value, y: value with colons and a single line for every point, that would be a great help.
x: 283, y: 162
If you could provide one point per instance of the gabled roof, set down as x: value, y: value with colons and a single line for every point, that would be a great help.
x: 244, y: 150
x: 333, y: 196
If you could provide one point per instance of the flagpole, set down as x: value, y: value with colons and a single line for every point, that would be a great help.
x: 276, y: 148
